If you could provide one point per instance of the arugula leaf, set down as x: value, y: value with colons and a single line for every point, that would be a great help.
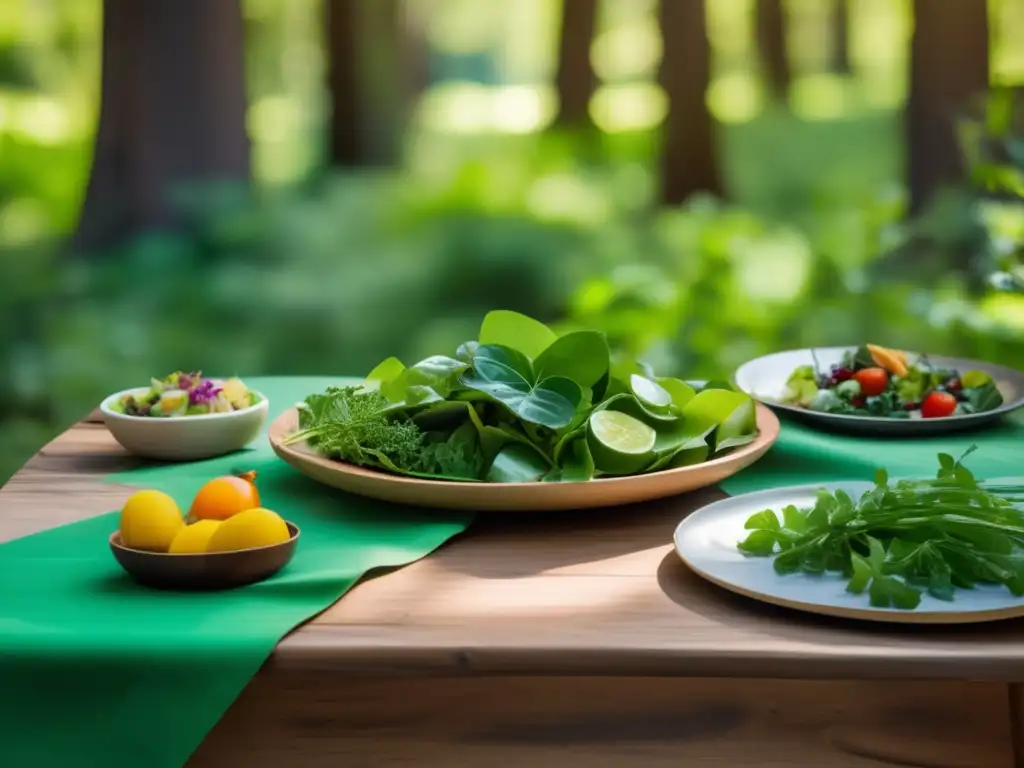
x: 505, y: 328
x: 507, y: 376
x: 897, y: 541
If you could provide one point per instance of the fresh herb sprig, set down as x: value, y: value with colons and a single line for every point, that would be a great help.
x: 900, y: 540
x: 359, y: 426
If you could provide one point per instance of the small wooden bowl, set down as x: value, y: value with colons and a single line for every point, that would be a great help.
x: 217, y: 570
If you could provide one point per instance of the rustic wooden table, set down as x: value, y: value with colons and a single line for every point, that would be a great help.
x: 580, y: 639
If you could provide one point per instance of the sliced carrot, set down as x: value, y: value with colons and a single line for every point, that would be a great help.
x: 892, y: 360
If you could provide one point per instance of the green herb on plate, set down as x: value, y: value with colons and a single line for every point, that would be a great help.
x: 523, y: 404
x: 902, y: 539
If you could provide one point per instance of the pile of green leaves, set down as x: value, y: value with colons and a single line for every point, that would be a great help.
x: 900, y: 540
x: 515, y: 405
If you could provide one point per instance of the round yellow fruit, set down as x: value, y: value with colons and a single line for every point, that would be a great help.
x: 194, y: 538
x: 150, y: 520
x: 249, y: 529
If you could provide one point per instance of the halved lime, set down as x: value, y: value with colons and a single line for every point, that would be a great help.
x: 650, y: 393
x: 620, y: 443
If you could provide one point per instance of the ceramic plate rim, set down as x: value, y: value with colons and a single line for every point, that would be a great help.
x: 1002, y: 410
x: 867, y: 613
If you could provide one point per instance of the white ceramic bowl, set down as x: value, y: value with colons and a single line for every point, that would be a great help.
x: 184, y: 438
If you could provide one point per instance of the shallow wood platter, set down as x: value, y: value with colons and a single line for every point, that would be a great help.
x: 519, y: 497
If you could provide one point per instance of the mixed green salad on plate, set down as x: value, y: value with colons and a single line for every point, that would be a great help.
x: 523, y: 404
x: 880, y: 382
x: 187, y: 394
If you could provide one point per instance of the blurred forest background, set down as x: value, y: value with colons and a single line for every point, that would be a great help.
x: 308, y: 186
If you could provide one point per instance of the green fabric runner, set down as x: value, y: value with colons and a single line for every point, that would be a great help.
x: 96, y: 671
x: 803, y: 455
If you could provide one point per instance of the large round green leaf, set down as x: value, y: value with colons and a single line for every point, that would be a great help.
x: 507, y: 376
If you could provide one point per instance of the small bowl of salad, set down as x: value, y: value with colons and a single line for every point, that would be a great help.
x: 871, y: 388
x: 185, y: 417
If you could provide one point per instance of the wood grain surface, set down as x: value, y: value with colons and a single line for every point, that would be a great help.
x: 304, y: 719
x: 559, y: 640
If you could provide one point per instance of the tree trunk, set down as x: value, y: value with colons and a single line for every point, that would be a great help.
x: 948, y: 67
x: 840, y: 18
x: 340, y: 27
x: 368, y: 88
x: 575, y: 78
x: 771, y: 41
x: 689, y: 163
x: 172, y: 113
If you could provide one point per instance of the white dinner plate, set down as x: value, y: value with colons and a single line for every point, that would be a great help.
x: 706, y: 541
x: 765, y: 378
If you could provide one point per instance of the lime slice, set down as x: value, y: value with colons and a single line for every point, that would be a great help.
x: 620, y: 443
x: 650, y: 393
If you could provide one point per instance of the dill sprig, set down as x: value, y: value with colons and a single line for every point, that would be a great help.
x: 352, y: 424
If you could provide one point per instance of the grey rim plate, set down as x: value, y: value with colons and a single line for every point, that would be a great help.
x: 706, y: 541
x: 764, y: 379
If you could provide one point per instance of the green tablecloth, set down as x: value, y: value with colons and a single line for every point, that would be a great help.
x: 803, y: 455
x: 96, y: 671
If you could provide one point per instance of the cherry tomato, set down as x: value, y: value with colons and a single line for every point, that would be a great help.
x: 937, y: 405
x: 873, y: 381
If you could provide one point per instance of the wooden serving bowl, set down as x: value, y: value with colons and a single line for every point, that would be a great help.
x: 204, y: 571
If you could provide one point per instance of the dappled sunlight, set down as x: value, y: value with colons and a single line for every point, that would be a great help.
x: 567, y: 197
x: 43, y: 119
x: 736, y: 98
x: 628, y: 107
x: 819, y: 97
x: 521, y: 108
x: 774, y: 268
x: 1006, y: 310
x: 545, y: 596
x: 629, y: 51
x: 469, y: 108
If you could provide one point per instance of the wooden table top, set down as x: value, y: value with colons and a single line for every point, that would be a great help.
x: 595, y: 593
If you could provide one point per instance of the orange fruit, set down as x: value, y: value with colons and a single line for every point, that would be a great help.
x: 892, y: 360
x: 247, y: 530
x: 225, y: 496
